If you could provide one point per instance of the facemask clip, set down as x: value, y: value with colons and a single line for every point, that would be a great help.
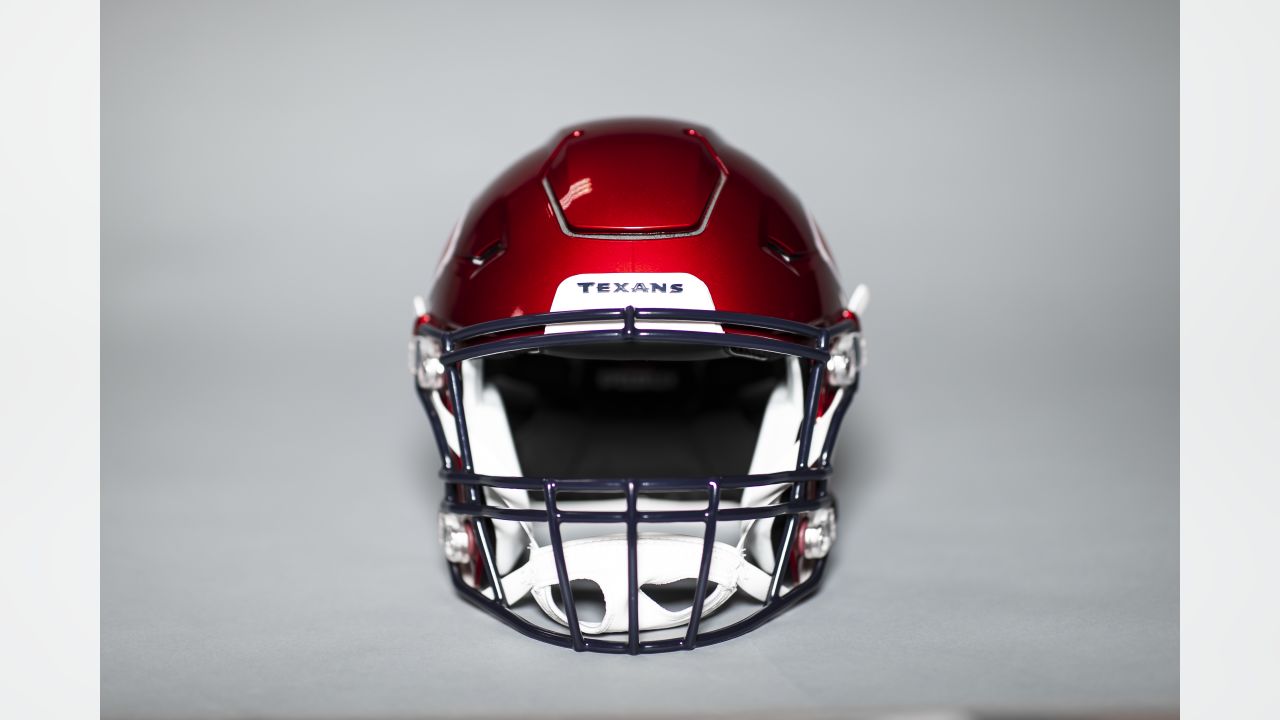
x: 454, y: 539
x: 819, y: 533
x: 848, y: 355
x: 424, y: 362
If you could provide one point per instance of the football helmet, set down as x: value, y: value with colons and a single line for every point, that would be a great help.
x: 635, y: 359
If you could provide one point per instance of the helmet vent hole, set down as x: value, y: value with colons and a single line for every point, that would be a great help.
x: 787, y: 256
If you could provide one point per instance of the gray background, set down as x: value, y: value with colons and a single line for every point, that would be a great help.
x: 278, y: 179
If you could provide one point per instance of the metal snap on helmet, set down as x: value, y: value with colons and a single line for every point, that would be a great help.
x: 635, y: 360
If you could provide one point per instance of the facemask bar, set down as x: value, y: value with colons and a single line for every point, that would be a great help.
x: 437, y: 358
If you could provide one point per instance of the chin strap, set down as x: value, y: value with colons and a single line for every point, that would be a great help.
x: 661, y: 559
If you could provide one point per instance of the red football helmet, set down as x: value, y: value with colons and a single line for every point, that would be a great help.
x: 635, y: 360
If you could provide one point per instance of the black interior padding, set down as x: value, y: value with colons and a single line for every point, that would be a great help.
x: 678, y: 415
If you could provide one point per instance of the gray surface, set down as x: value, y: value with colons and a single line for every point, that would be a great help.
x: 278, y: 179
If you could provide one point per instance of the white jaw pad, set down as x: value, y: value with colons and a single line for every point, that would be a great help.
x: 494, y: 453
x: 776, y: 450
x: 661, y: 559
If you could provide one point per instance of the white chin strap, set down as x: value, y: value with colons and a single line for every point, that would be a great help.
x: 661, y: 559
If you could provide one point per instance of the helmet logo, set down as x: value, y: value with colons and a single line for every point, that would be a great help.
x: 615, y: 290
x: 622, y: 287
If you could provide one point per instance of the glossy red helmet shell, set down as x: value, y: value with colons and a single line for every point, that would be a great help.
x: 624, y: 196
x: 635, y: 285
